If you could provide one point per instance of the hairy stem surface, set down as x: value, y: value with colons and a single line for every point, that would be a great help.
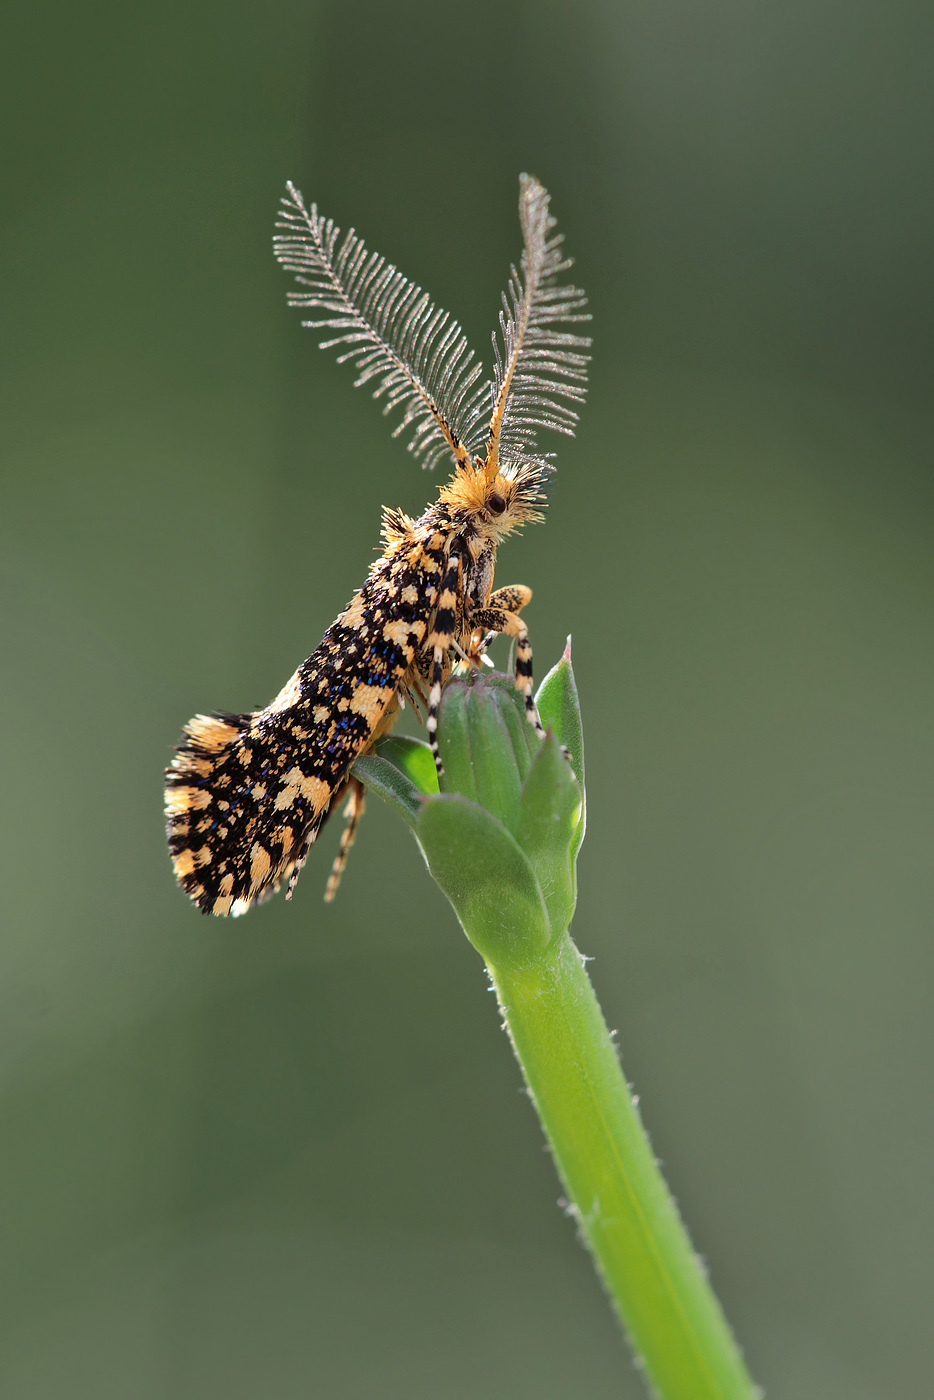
x: 619, y: 1197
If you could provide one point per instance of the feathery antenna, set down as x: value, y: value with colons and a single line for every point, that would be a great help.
x: 538, y: 365
x: 420, y: 356
x: 418, y: 353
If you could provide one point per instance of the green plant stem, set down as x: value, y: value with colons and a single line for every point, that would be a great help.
x: 618, y: 1194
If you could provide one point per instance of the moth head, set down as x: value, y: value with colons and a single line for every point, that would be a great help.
x: 498, y: 503
x: 515, y: 493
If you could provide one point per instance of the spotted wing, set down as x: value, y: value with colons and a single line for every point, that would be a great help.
x: 246, y: 794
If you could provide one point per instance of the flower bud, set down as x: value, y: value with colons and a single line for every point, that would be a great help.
x: 501, y: 836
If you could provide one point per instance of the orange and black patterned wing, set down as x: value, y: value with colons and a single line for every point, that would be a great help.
x: 246, y: 794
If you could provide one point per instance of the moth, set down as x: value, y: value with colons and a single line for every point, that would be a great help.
x: 246, y: 794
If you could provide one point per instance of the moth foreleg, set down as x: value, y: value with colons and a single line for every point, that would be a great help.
x: 509, y: 600
x: 512, y: 599
x: 496, y: 619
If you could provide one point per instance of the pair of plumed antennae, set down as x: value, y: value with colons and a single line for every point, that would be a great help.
x: 419, y: 354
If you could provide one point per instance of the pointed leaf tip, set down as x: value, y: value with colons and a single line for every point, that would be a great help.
x: 548, y: 830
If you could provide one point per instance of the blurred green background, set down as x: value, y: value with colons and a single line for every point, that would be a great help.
x: 288, y: 1156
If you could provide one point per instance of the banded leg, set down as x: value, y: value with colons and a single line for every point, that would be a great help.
x: 439, y: 644
x: 503, y: 620
x: 509, y: 600
x: 356, y: 802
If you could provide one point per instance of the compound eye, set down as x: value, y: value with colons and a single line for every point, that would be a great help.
x: 495, y: 503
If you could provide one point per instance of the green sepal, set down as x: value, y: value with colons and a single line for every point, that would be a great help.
x: 486, y: 745
x: 559, y: 708
x: 413, y: 757
x: 501, y: 838
x: 385, y: 779
x: 549, y: 819
x: 487, y: 877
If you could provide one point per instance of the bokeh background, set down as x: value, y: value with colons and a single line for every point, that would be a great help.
x: 289, y: 1156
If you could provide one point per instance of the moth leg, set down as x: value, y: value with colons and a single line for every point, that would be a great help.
x: 414, y: 693
x: 509, y: 600
x: 503, y: 620
x: 512, y: 599
x: 439, y: 644
x: 356, y: 803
